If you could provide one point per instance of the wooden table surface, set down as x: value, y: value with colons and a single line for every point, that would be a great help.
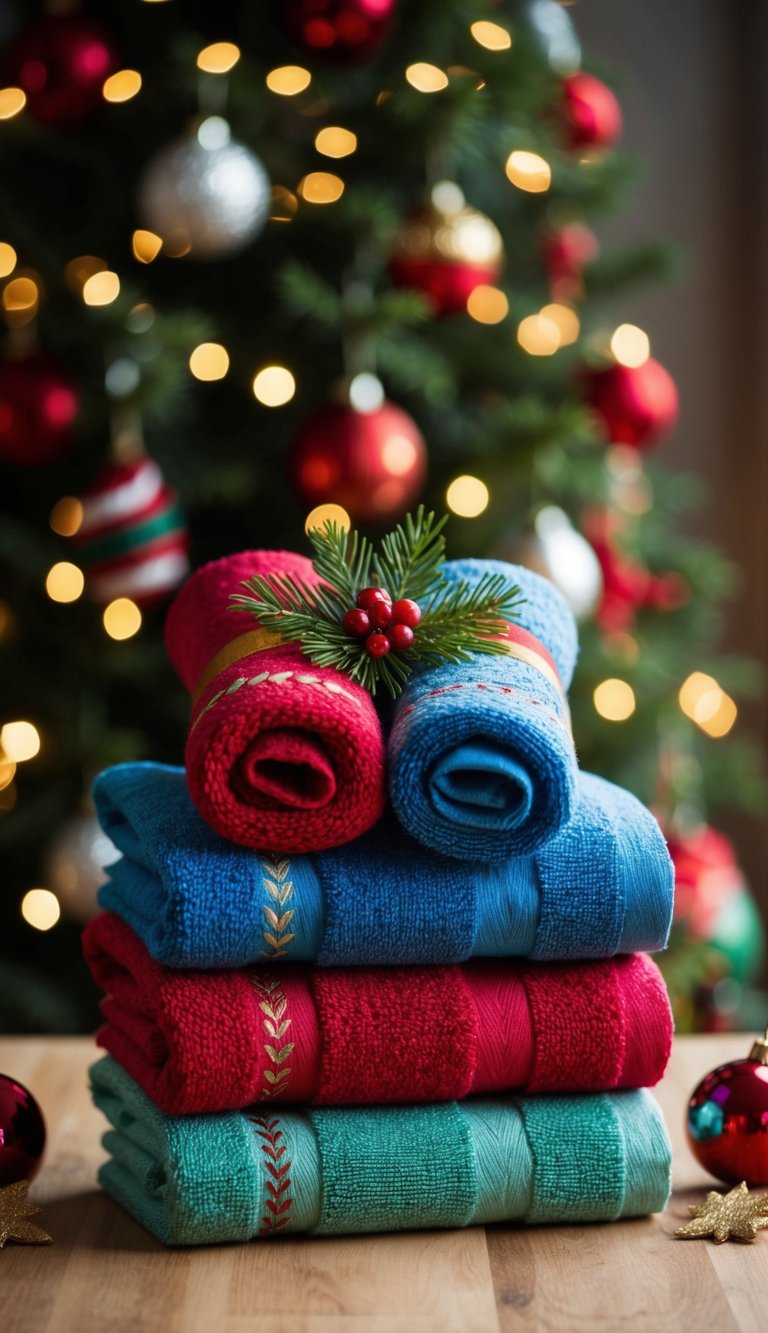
x: 105, y: 1273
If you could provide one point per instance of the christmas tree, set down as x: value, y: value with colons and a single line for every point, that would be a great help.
x: 279, y: 263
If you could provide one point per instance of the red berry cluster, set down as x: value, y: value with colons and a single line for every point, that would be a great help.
x: 375, y: 612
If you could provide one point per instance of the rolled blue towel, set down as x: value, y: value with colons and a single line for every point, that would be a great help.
x: 481, y: 757
x: 198, y: 1179
x: 601, y: 887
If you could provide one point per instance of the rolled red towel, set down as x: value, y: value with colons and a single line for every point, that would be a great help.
x: 214, y: 1041
x: 280, y: 753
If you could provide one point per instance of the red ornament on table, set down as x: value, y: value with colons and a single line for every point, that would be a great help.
x: 38, y: 406
x: 445, y: 250
x: 22, y: 1132
x: 634, y: 404
x: 591, y: 115
x: 338, y: 32
x: 133, y: 538
x: 565, y: 252
x: 61, y: 61
x: 727, y: 1119
x: 373, y: 463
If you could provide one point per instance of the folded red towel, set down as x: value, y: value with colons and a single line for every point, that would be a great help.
x: 212, y: 1041
x: 280, y: 753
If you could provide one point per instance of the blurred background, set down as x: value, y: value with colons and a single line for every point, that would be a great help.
x: 281, y: 261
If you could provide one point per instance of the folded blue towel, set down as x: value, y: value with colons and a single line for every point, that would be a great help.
x: 481, y: 757
x: 601, y: 887
x: 198, y: 1179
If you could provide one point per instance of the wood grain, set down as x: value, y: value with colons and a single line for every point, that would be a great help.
x: 105, y: 1273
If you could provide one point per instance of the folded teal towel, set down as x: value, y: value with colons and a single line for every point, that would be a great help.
x: 603, y: 886
x: 193, y: 1180
x: 481, y: 757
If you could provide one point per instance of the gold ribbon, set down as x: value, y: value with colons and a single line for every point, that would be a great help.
x: 253, y: 641
x: 534, y: 659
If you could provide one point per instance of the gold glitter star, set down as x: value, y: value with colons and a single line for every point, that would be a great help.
x: 14, y: 1210
x: 737, y: 1214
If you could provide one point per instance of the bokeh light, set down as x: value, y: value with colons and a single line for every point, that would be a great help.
x: 20, y: 741
x: 334, y: 141
x: 321, y: 187
x: 491, y: 35
x: 209, y: 361
x: 614, y: 700
x: 66, y: 516
x: 40, y: 908
x: 529, y: 171
x: 122, y: 86
x: 64, y: 582
x: 487, y: 305
x: 467, y: 496
x: 218, y: 58
x: 122, y: 618
x: 288, y: 80
x: 101, y: 289
x: 273, y: 386
x: 327, y: 513
x: 630, y: 345
x: 426, y: 78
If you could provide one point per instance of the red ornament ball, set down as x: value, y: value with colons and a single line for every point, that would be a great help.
x: 378, y: 645
x: 133, y: 537
x: 727, y: 1120
x: 357, y: 623
x: 406, y: 612
x: 565, y: 252
x: 445, y: 250
x: 22, y: 1132
x: 590, y: 112
x: 38, y: 406
x: 372, y: 463
x: 338, y: 32
x: 635, y: 404
x: 401, y: 637
x: 61, y: 62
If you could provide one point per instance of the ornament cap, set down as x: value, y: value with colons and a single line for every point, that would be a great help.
x: 759, y: 1049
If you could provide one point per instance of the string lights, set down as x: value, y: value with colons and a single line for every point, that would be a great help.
x: 334, y: 141
x: 467, y: 497
x: 146, y: 245
x: 40, y: 909
x: 487, y: 305
x: 491, y: 35
x: 218, y: 58
x: 12, y: 101
x: 630, y: 346
x: 274, y: 386
x: 529, y: 171
x: 614, y: 700
x: 8, y: 259
x: 288, y: 80
x: 707, y: 704
x: 64, y: 582
x: 19, y: 741
x: 122, y: 618
x: 209, y: 361
x: 426, y: 78
x: 538, y: 335
x: 327, y: 513
x: 101, y: 288
x: 122, y: 86
x: 66, y: 516
x: 321, y: 187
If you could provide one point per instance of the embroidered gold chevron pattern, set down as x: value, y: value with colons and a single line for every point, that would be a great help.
x: 277, y: 933
x: 277, y: 1204
x: 276, y: 1023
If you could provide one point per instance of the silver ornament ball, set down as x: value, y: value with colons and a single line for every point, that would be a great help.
x: 206, y: 194
x: 555, y: 35
x: 74, y: 865
x: 554, y: 548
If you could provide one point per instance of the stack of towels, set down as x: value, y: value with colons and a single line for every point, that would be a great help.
x: 364, y: 975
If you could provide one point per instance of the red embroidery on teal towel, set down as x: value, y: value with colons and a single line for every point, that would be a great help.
x: 278, y: 1198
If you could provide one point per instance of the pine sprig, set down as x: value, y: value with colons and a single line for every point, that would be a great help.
x: 458, y: 621
x: 411, y: 556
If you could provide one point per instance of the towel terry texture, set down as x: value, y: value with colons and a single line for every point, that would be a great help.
x: 217, y: 1041
x: 280, y: 753
x: 603, y: 886
x: 194, y: 1180
x: 481, y: 757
